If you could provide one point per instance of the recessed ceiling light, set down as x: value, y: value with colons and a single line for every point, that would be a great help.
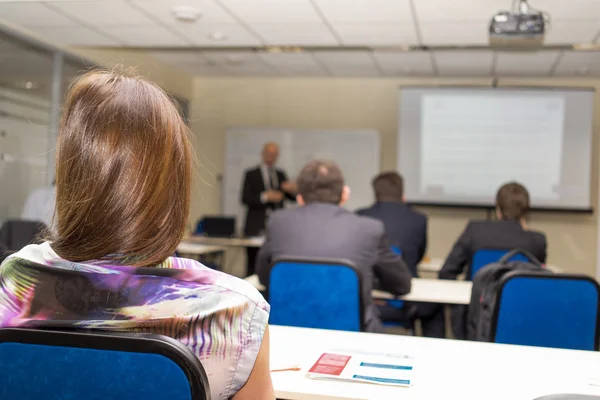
x: 186, y: 14
x: 217, y: 36
x: 29, y: 85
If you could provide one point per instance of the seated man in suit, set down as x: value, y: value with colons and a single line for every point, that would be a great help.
x: 508, y: 232
x: 405, y: 228
x: 321, y: 228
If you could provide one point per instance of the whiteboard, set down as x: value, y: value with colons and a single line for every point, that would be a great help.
x: 356, y: 151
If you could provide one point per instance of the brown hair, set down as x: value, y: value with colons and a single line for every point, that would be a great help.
x: 123, y: 171
x: 321, y: 181
x: 512, y: 200
x: 388, y: 186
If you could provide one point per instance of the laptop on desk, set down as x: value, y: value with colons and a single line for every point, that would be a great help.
x: 223, y: 227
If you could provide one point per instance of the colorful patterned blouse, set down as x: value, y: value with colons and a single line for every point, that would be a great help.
x: 222, y: 319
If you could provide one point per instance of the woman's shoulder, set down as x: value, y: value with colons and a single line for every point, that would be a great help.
x: 222, y: 282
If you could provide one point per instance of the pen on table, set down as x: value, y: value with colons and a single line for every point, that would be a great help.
x: 294, y: 368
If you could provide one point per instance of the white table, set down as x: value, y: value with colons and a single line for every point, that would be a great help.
x: 434, y: 265
x: 256, y: 241
x: 198, y: 249
x: 444, y: 369
x: 423, y: 290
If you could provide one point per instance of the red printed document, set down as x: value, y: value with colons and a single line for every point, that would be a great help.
x: 382, y: 369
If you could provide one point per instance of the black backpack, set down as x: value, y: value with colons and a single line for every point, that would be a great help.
x: 484, y: 295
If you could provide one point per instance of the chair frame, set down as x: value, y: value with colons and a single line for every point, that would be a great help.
x: 119, y: 341
x: 518, y: 274
x: 328, y: 261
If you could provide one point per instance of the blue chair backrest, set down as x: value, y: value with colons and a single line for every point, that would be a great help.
x: 323, y: 294
x: 397, y: 250
x: 53, y: 365
x: 483, y: 257
x: 549, y: 310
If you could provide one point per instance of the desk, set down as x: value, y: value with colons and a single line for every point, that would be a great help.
x: 198, y: 249
x: 423, y: 290
x: 226, y: 242
x: 434, y: 265
x: 444, y: 369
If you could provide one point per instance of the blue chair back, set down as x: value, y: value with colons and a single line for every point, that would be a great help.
x: 313, y: 293
x: 549, y: 310
x: 483, y: 257
x: 53, y: 365
x: 397, y: 250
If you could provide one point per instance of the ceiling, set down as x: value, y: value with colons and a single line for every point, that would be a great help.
x: 340, y: 37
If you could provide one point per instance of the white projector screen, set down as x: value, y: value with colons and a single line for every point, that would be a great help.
x: 457, y: 146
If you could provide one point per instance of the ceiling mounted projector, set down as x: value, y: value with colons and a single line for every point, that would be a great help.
x: 521, y: 27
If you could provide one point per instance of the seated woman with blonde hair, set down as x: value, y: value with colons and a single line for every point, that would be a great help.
x: 123, y: 177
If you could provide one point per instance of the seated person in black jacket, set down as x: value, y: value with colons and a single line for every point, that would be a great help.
x: 509, y: 232
x: 406, y: 229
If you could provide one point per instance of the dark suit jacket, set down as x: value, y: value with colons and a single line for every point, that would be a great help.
x: 404, y: 228
x: 491, y: 235
x: 256, y: 213
x: 320, y: 230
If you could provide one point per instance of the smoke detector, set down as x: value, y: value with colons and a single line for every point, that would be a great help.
x: 186, y: 14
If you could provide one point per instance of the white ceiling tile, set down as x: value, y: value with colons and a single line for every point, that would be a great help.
x: 348, y: 63
x: 273, y: 11
x: 454, y: 33
x: 578, y: 63
x: 460, y: 10
x: 293, y: 64
x: 570, y: 32
x: 240, y: 63
x: 377, y: 34
x: 464, y: 63
x: 199, y: 34
x: 364, y: 11
x: 34, y: 15
x: 522, y: 64
x: 570, y: 9
x: 105, y: 13
x: 416, y: 63
x: 80, y: 36
x: 296, y: 34
x: 162, y: 10
x: 151, y: 36
x: 178, y: 56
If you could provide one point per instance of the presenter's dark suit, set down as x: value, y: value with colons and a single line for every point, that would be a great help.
x: 256, y: 213
x: 404, y: 227
x: 407, y: 229
x: 480, y: 235
x: 321, y: 230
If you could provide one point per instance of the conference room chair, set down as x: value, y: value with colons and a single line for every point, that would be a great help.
x: 484, y: 257
x: 398, y: 304
x: 316, y: 293
x: 548, y: 310
x: 53, y: 365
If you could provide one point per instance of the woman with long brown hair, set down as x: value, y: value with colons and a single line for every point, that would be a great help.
x: 123, y: 177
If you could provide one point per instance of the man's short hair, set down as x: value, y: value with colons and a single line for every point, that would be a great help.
x: 512, y: 200
x: 388, y: 186
x: 321, y: 181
